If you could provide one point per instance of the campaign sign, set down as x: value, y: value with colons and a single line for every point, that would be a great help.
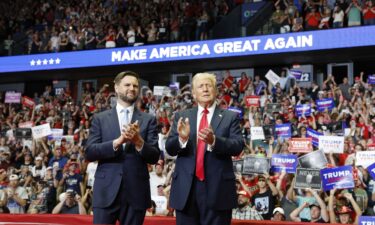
x: 12, y: 97
x: 27, y: 124
x: 308, y: 178
x: 364, y: 158
x: 315, y: 159
x: 303, y: 109
x: 283, y: 130
x: 371, y: 170
x: 314, y: 135
x: 371, y: 147
x: 366, y: 220
x: 41, y: 131
x: 284, y: 162
x: 301, y: 145
x: 272, y: 77
x: 296, y: 74
x: 331, y: 144
x: 252, y: 101
x: 269, y: 131
x: 371, y: 79
x: 22, y: 133
x: 56, y: 134
x: 324, y: 104
x: 338, y: 177
x: 237, y: 165
x: 254, y: 164
x: 273, y: 107
x: 260, y: 87
x: 28, y: 102
x: 257, y: 133
x: 237, y: 110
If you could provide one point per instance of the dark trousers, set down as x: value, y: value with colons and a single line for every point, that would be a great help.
x: 119, y: 210
x: 196, y: 211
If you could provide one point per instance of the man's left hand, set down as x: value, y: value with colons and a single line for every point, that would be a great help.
x: 207, y: 135
x: 133, y: 134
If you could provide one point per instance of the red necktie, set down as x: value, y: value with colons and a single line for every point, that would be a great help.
x: 199, y: 164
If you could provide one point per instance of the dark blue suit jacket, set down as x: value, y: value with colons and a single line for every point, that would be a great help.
x: 219, y: 176
x: 126, y: 164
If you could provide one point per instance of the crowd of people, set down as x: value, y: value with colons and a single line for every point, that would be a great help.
x: 51, y: 174
x: 296, y: 15
x: 57, y: 26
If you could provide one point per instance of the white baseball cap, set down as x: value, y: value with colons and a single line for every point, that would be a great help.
x: 278, y: 210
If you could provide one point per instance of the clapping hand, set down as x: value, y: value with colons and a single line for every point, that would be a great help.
x: 207, y: 135
x: 183, y: 129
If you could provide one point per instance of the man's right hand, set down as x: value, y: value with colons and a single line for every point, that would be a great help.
x: 183, y: 129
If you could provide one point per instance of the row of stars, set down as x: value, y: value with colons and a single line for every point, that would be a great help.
x: 45, y: 62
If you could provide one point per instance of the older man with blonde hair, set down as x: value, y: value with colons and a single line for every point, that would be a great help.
x: 205, y: 138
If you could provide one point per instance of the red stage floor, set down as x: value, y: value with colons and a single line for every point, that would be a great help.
x: 83, y: 220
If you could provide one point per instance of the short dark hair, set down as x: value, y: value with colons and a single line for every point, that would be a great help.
x: 123, y: 74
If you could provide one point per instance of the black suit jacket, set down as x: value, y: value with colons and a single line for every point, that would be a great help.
x: 219, y: 176
x: 126, y: 164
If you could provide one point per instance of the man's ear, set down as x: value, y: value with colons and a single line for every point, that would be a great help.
x: 116, y: 88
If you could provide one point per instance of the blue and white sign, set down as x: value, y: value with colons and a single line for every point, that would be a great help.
x: 246, y: 46
x: 284, y: 162
x: 339, y: 177
x: 237, y: 110
x: 303, y: 109
x: 314, y: 135
x: 296, y: 74
x: 324, y: 104
x: 371, y: 79
x: 366, y: 220
x: 283, y: 130
x: 260, y: 87
x: 371, y: 170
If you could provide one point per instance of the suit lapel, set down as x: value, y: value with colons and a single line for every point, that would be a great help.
x: 193, y: 118
x: 216, y: 118
x: 137, y: 116
x: 114, y: 122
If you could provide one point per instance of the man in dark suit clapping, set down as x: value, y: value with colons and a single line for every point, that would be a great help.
x: 123, y: 140
x: 204, y: 139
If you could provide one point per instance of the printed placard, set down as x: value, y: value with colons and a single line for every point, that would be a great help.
x: 257, y: 133
x: 371, y: 170
x: 41, y: 131
x: 315, y: 159
x: 254, y: 164
x: 371, y: 79
x: 283, y: 130
x: 296, y: 74
x: 331, y: 144
x: 284, y: 162
x: 237, y: 165
x: 303, y: 109
x: 28, y: 102
x: 308, y: 178
x: 237, y: 110
x: 161, y: 90
x: 268, y: 131
x: 260, y: 87
x: 27, y: 124
x: 314, y: 135
x: 12, y: 97
x: 324, y: 104
x: 56, y: 134
x: 364, y: 158
x: 338, y: 177
x: 300, y: 145
x: 252, y: 101
x: 273, y: 107
x: 272, y: 77
x: 22, y: 133
x: 371, y: 147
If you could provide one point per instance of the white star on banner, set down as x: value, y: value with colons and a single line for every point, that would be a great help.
x: 57, y: 61
x: 51, y: 61
x: 38, y: 62
x: 45, y: 62
x: 32, y: 63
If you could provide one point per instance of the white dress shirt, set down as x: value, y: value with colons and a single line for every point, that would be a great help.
x: 121, y: 113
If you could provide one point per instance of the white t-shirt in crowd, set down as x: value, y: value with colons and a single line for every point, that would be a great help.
x: 91, y: 169
x: 155, y: 181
